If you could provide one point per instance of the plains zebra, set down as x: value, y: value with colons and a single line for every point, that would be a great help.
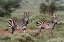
x: 26, y: 18
x: 21, y: 24
x: 45, y: 24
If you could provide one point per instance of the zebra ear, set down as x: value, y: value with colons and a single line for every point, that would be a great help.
x: 25, y: 13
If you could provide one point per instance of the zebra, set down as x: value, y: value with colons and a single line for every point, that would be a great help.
x: 21, y: 24
x: 46, y: 24
x: 26, y: 18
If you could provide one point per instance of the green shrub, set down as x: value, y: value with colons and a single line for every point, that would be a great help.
x: 1, y: 14
x: 4, y: 37
x: 23, y: 37
x: 8, y: 6
x: 7, y: 14
x: 33, y: 33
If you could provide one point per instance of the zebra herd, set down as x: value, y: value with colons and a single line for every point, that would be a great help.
x: 21, y: 24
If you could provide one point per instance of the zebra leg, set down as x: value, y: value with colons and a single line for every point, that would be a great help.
x: 27, y: 22
x: 24, y: 29
x: 12, y: 30
x: 51, y: 33
x: 40, y: 35
x: 21, y: 30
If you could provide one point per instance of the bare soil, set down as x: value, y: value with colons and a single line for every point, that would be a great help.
x: 2, y: 31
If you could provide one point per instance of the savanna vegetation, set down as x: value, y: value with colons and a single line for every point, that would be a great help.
x: 49, y: 9
x: 38, y: 11
x: 7, y: 6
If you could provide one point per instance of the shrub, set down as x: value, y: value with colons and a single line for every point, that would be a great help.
x: 7, y: 6
x: 4, y: 37
x: 33, y: 34
x: 24, y: 37
x: 7, y: 14
x: 49, y: 9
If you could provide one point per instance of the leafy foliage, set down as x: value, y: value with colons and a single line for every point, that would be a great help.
x: 23, y: 37
x: 47, y: 0
x: 43, y: 8
x: 48, y: 8
x: 4, y: 37
x: 7, y: 6
x: 52, y: 8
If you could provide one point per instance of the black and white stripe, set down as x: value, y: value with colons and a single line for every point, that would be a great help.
x: 11, y: 23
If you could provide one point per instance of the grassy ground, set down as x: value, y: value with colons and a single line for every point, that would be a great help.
x: 35, y: 16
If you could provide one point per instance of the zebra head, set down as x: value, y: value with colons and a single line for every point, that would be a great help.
x: 55, y: 19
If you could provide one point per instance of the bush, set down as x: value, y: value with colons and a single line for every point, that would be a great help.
x: 7, y: 6
x: 49, y: 9
x: 4, y: 37
x: 43, y: 8
x: 33, y: 34
x: 24, y: 37
x: 7, y: 14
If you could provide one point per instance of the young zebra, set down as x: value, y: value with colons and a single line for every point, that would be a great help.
x: 21, y: 24
x: 45, y: 24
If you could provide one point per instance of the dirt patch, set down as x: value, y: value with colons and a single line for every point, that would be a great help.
x: 2, y: 31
